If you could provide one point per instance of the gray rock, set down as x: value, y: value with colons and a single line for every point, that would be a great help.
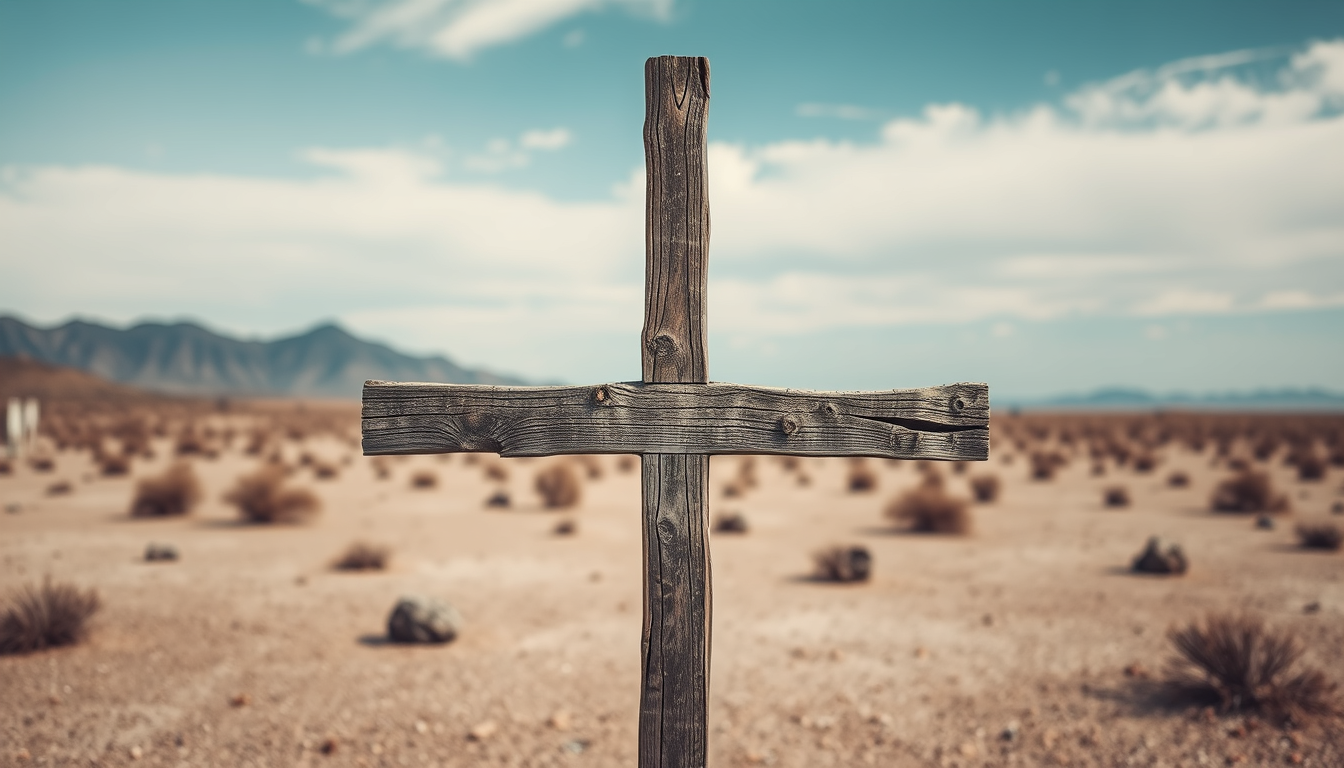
x: 423, y: 620
x: 1264, y: 523
x: 1153, y: 559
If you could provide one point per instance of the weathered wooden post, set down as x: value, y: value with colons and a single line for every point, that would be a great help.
x: 675, y: 419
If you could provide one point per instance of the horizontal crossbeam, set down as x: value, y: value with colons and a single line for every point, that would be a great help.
x: 947, y: 422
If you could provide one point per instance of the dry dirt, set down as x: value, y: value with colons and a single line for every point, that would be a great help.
x: 1006, y: 647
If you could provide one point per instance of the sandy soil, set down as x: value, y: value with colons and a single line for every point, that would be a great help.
x: 1023, y: 628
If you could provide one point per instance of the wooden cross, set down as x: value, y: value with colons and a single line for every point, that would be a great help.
x: 675, y: 419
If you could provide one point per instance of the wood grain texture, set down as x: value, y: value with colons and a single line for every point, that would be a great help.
x: 946, y: 422
x: 674, y: 348
x: 678, y: 612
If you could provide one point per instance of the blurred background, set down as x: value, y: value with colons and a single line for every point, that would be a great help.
x: 1103, y: 202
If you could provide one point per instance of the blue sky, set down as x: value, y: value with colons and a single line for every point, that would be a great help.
x: 1048, y: 196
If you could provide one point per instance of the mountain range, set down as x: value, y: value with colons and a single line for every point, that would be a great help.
x: 187, y: 359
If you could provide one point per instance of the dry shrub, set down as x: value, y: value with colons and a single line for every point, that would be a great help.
x: 731, y: 522
x: 174, y: 492
x: 1044, y: 464
x: 363, y: 556
x: 325, y: 470
x: 928, y: 509
x: 42, y: 463
x: 262, y: 498
x: 60, y: 488
x: 567, y: 527
x: 1178, y: 479
x: 558, y: 486
x: 1145, y: 463
x: 843, y: 563
x: 1310, y: 467
x: 862, y: 478
x: 46, y: 617
x: 959, y: 467
x: 1236, y: 663
x: 1098, y: 469
x: 1115, y: 496
x: 625, y: 463
x: 5, y: 467
x: 592, y: 467
x: 1320, y: 536
x: 498, y: 500
x: 381, y: 470
x: 1154, y: 559
x: 1247, y: 492
x: 496, y: 472
x: 424, y: 479
x: 985, y: 488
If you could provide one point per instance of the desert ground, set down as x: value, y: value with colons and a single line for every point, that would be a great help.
x: 1027, y: 641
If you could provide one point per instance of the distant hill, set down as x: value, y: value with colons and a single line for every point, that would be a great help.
x: 24, y: 377
x: 187, y: 359
x: 1310, y: 399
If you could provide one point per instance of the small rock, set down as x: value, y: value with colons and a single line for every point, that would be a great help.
x: 1136, y: 670
x: 1313, y: 607
x: 241, y: 700
x: 566, y: 527
x: 483, y: 731
x: 160, y: 552
x: 137, y: 752
x: 576, y: 747
x: 560, y: 720
x: 329, y: 745
x: 498, y: 500
x: 1154, y: 560
x: 1264, y: 523
x: 968, y: 749
x: 731, y: 522
x: 23, y: 755
x: 421, y: 727
x: 1336, y: 508
x: 1009, y: 733
x: 921, y: 652
x: 423, y: 620
x: 13, y: 508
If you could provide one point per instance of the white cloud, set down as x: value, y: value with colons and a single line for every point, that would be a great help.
x: 1209, y: 195
x: 459, y: 29
x: 838, y: 111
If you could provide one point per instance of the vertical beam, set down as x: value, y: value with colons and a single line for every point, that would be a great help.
x: 674, y: 703
x: 676, y: 234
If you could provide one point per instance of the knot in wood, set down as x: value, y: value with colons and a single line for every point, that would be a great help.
x: 663, y: 345
x: 788, y: 425
x: 602, y: 396
x: 829, y: 410
x: 958, y: 404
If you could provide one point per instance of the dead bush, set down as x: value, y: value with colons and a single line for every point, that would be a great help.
x: 625, y: 463
x: 114, y: 465
x: 5, y: 467
x: 1145, y: 463
x: 928, y: 509
x: 60, y: 488
x: 173, y: 493
x: 1178, y: 479
x: 566, y: 527
x: 42, y: 463
x: 325, y: 470
x: 1155, y: 559
x: 558, y: 486
x: 1248, y: 492
x: 45, y: 617
x: 1044, y: 464
x: 1115, y: 496
x: 592, y: 466
x: 1236, y: 663
x: 498, y: 500
x: 424, y: 479
x: 496, y: 472
x: 985, y: 488
x: 731, y: 522
x: 843, y: 563
x: 262, y: 498
x: 363, y: 556
x: 1310, y: 467
x: 862, y: 479
x: 1320, y: 536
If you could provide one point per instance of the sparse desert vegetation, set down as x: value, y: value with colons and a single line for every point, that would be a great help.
x: 172, y: 493
x: 929, y: 509
x: 262, y: 497
x: 363, y: 556
x: 53, y: 614
x: 558, y: 485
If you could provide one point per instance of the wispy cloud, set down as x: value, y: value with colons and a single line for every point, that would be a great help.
x: 1193, y: 197
x: 838, y: 111
x: 460, y: 29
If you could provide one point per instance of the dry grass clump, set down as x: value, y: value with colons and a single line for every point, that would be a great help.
x: 45, y: 617
x: 5, y: 467
x: 1115, y: 496
x: 985, y: 488
x: 731, y: 522
x: 928, y: 509
x: 626, y: 463
x: 42, y: 463
x: 558, y: 486
x: 1327, y: 536
x: 60, y: 488
x: 566, y: 527
x: 262, y: 498
x: 363, y: 556
x: 1178, y: 479
x: 1248, y: 492
x: 173, y: 493
x: 843, y: 563
x: 1145, y: 463
x: 862, y: 478
x: 1044, y: 464
x: 1236, y: 663
x: 592, y: 466
x: 424, y: 479
x: 496, y: 472
x: 1155, y: 559
x: 114, y: 465
x: 1310, y: 467
x: 325, y: 470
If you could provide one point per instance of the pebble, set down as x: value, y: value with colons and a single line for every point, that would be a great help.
x: 137, y: 752
x: 160, y: 552
x: 560, y: 720
x: 423, y: 620
x: 1264, y: 523
x: 483, y: 731
x: 421, y: 727
x: 1009, y: 733
x: 241, y: 700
